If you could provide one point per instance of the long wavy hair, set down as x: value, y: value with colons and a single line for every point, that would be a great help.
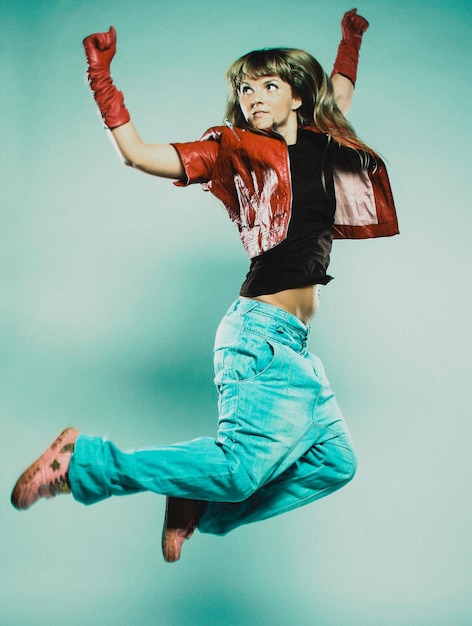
x: 308, y: 81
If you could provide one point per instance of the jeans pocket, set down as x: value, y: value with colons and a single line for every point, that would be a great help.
x: 252, y: 360
x: 253, y: 357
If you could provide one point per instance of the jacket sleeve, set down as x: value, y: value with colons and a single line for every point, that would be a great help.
x: 198, y: 158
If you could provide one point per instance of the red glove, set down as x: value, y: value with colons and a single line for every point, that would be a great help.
x: 100, y: 49
x: 353, y: 26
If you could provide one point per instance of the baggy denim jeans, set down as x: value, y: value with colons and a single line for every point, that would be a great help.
x: 281, y: 441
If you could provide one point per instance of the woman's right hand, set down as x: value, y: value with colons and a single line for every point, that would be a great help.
x: 100, y: 48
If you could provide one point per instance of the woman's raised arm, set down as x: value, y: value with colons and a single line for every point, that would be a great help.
x: 156, y: 159
x: 344, y: 74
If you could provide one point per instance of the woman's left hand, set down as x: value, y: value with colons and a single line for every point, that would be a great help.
x: 353, y: 26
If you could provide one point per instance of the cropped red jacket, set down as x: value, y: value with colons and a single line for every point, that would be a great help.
x: 250, y: 173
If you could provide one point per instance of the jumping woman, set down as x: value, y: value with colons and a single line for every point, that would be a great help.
x: 292, y: 175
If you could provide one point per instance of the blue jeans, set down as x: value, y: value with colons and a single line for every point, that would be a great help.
x: 281, y: 441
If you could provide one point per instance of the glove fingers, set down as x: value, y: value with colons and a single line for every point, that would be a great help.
x: 359, y: 24
x: 353, y: 24
x: 105, y: 41
x: 101, y: 41
x: 349, y: 14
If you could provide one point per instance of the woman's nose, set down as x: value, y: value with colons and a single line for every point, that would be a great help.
x: 257, y: 97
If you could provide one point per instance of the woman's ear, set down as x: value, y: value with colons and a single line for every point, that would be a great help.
x: 296, y: 102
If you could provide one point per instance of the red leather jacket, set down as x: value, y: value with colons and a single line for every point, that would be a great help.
x: 250, y: 173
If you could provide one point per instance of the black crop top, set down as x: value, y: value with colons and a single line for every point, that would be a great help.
x: 302, y: 258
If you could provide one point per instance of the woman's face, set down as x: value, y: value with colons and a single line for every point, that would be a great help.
x: 268, y: 103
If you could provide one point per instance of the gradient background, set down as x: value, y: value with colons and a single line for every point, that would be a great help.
x: 112, y: 284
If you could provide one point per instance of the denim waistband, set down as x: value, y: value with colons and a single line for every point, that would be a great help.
x: 269, y: 321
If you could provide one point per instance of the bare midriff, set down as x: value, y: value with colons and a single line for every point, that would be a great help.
x: 302, y: 302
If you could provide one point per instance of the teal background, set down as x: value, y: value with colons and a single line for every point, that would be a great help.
x: 112, y: 284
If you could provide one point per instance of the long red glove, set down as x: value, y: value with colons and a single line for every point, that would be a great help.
x: 353, y: 26
x: 100, y: 49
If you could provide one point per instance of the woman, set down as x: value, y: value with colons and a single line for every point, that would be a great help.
x: 292, y: 174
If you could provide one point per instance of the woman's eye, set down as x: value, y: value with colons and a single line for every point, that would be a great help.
x: 245, y: 90
x: 271, y: 87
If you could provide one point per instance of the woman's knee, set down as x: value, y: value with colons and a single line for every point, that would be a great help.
x: 351, y: 469
x: 343, y: 464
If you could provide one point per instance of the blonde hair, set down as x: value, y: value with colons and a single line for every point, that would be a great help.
x: 308, y: 81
